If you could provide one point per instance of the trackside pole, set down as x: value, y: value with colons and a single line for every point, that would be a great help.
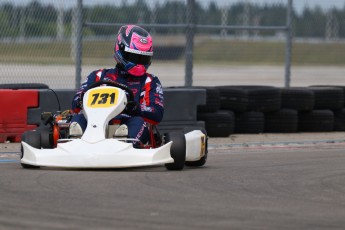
x: 78, y: 41
x: 288, y: 47
x: 189, y: 43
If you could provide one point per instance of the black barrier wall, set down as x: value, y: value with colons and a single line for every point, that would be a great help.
x: 50, y: 101
x: 180, y: 106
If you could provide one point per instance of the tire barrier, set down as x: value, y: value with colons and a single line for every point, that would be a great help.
x: 249, y: 122
x: 339, y: 120
x: 332, y: 86
x: 316, y: 121
x: 297, y: 98
x: 262, y: 98
x: 220, y: 123
x: 212, y: 100
x: 250, y: 98
x: 260, y: 109
x: 232, y: 98
x: 328, y: 97
x: 281, y: 121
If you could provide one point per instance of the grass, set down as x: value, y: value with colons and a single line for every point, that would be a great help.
x: 205, y: 51
x: 247, y: 52
x: 325, y: 54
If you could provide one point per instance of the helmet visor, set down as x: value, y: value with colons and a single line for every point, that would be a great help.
x: 137, y: 57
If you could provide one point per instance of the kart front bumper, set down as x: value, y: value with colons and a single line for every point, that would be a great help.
x: 108, y: 153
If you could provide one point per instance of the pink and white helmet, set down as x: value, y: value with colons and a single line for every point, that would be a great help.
x: 133, y: 49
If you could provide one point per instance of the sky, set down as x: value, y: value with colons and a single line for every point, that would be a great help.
x: 298, y: 4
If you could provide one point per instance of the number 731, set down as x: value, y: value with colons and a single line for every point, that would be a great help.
x: 103, y: 99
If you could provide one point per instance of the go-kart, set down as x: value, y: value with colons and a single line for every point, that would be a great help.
x: 52, y: 145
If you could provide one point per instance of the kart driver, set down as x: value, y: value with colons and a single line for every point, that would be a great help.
x: 132, y: 52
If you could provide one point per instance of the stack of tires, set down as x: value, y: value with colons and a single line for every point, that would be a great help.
x: 268, y: 109
x: 327, y: 113
x: 218, y: 123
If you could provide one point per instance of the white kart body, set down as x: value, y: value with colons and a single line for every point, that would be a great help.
x: 94, y: 150
x: 107, y: 153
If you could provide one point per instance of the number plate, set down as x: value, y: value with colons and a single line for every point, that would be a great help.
x: 102, y: 98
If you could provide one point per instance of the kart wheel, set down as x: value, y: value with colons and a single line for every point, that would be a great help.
x: 177, y: 151
x: 33, y: 138
x: 46, y: 137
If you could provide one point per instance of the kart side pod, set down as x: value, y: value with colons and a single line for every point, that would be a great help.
x: 196, y: 145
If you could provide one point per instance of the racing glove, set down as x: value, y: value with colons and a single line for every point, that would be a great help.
x: 132, y: 108
x: 77, y: 105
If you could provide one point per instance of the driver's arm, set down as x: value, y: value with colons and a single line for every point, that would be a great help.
x: 152, y: 101
x: 93, y: 77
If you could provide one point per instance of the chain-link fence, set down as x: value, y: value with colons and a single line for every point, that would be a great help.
x: 212, y: 42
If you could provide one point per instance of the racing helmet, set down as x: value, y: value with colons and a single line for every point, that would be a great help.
x: 133, y: 49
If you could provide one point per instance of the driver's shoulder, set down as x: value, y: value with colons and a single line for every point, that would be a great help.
x: 151, y: 77
x: 108, y: 71
x: 107, y: 74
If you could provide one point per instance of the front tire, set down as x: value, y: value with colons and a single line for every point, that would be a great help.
x: 177, y: 151
x: 33, y: 138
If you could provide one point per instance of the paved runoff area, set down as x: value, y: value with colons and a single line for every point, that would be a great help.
x: 264, y: 181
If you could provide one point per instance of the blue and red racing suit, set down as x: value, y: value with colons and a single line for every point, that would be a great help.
x: 147, y: 91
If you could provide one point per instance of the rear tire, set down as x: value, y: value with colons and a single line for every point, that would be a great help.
x: 33, y: 138
x: 46, y: 137
x: 177, y: 151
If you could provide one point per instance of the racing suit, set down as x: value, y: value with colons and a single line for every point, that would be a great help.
x: 148, y: 93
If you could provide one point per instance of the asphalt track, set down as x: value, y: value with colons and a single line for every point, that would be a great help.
x: 252, y: 186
